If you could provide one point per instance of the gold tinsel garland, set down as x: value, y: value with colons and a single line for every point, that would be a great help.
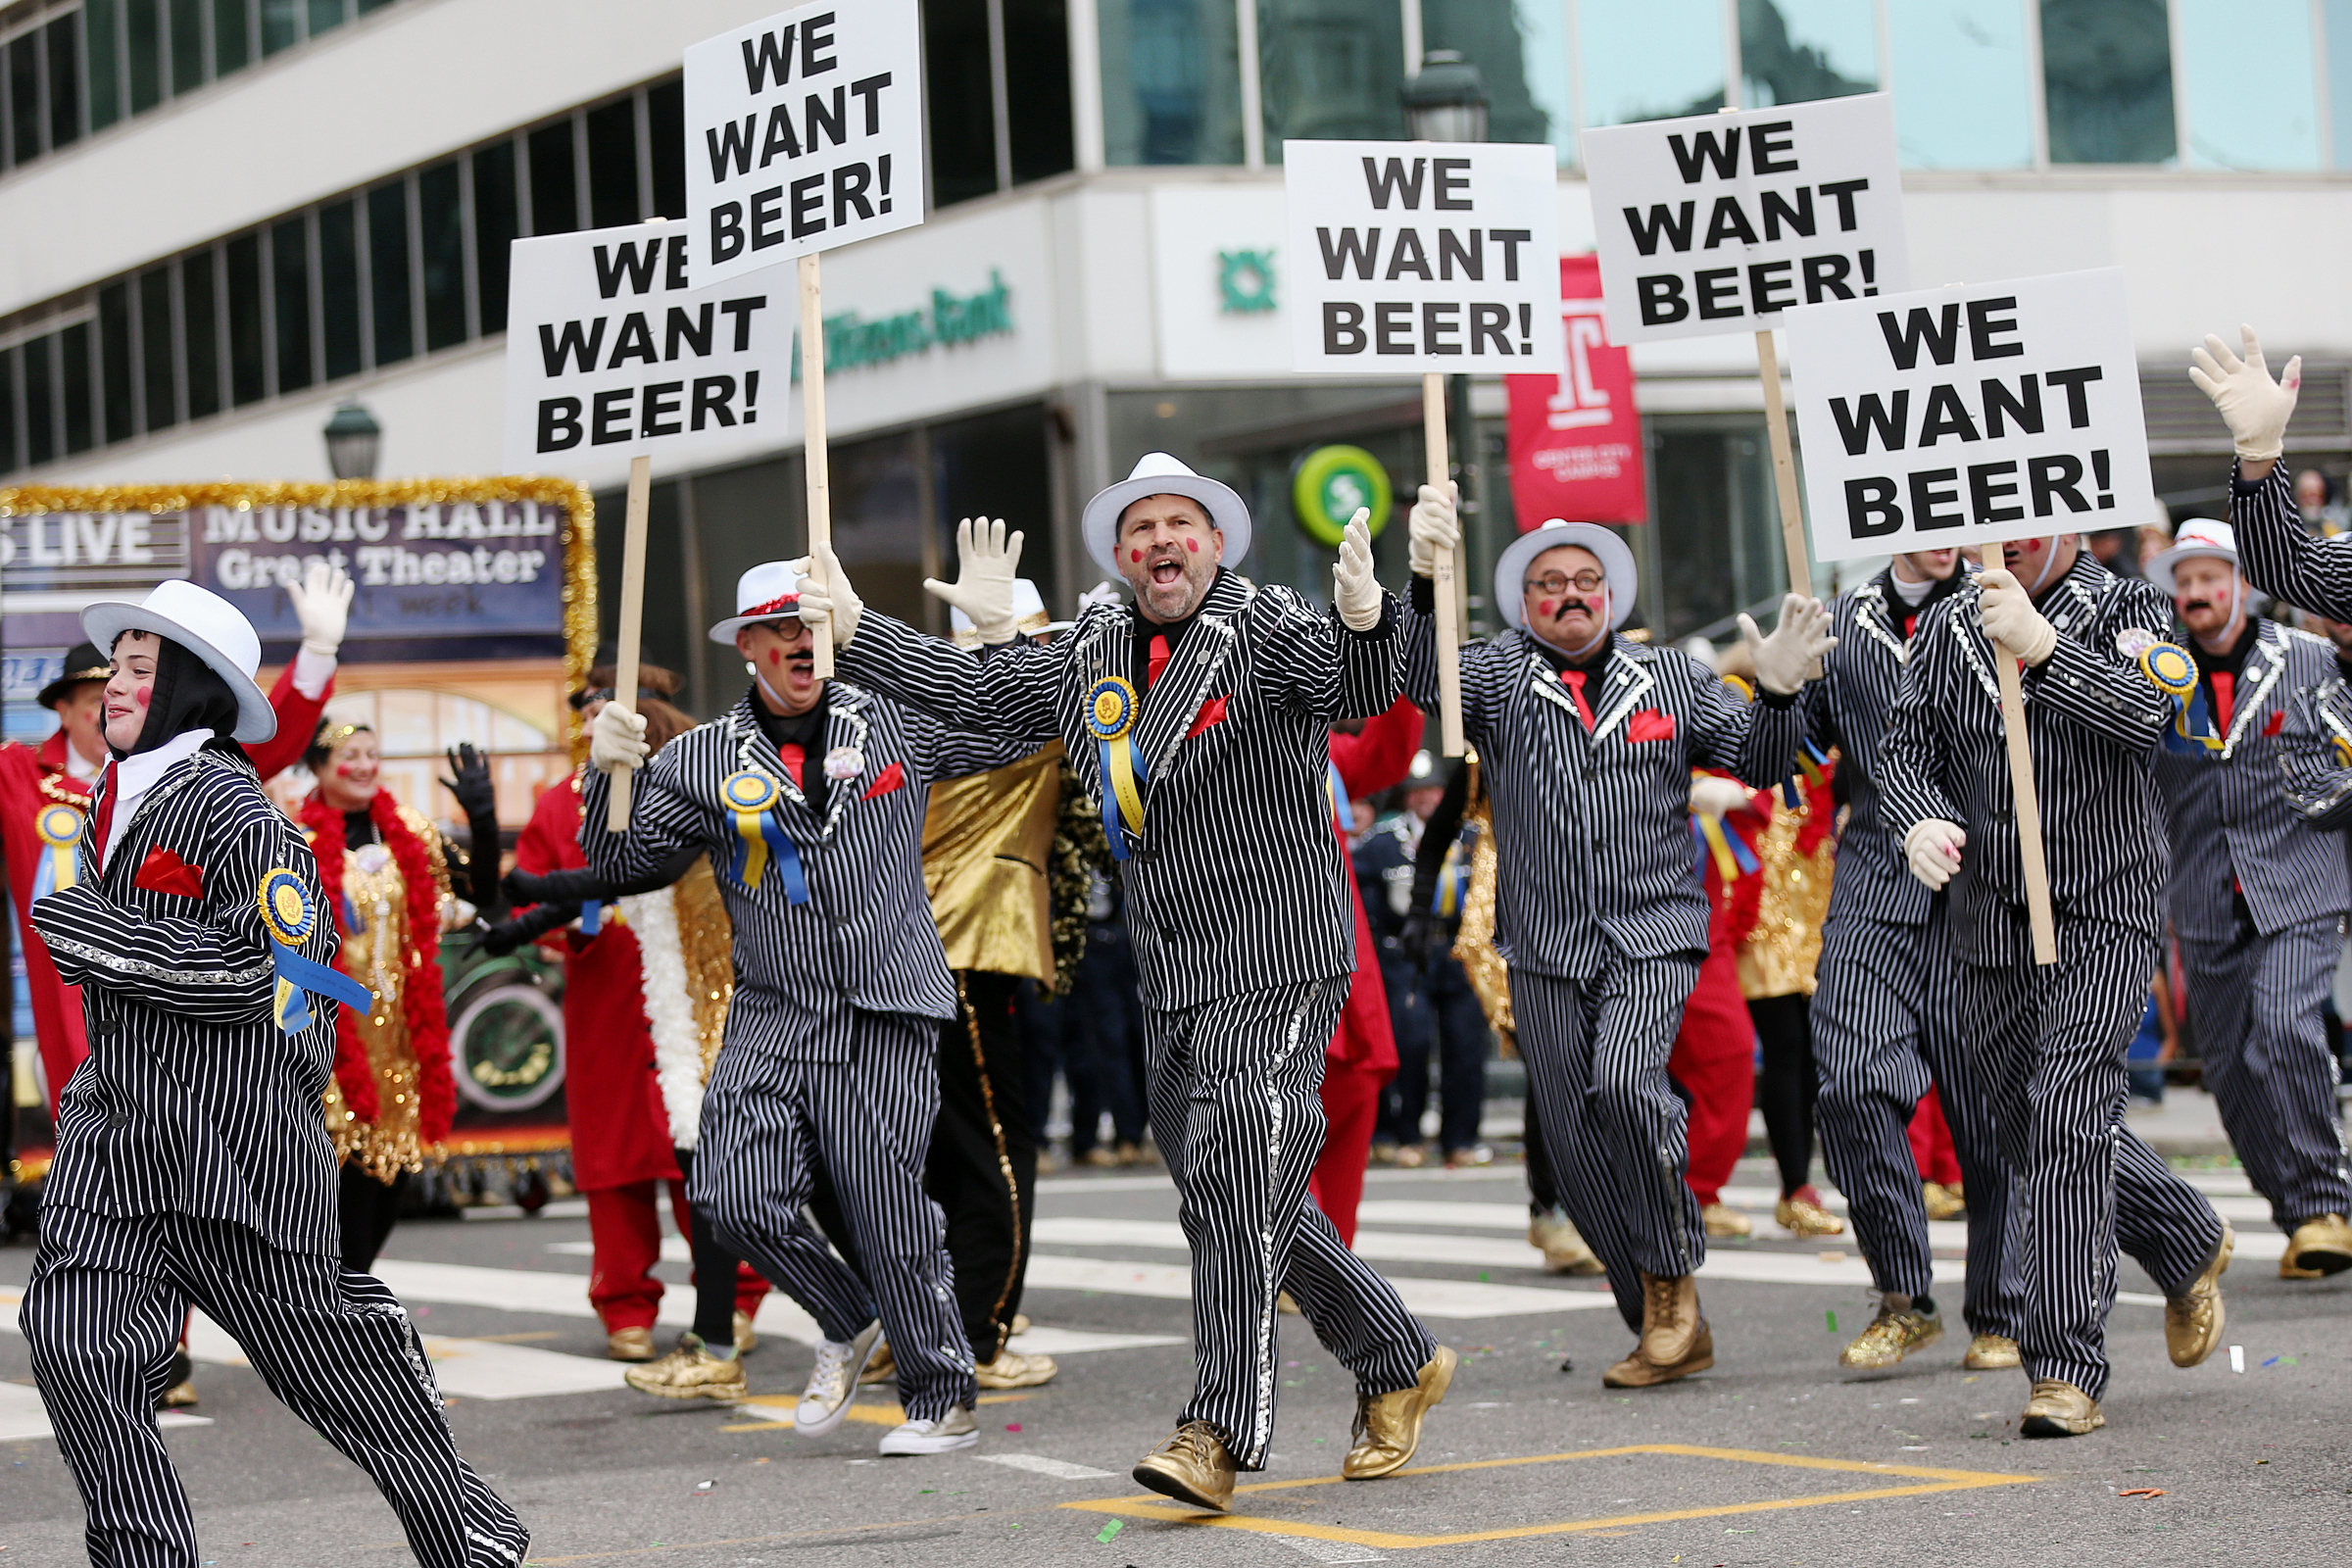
x: 579, y: 528
x: 1079, y: 850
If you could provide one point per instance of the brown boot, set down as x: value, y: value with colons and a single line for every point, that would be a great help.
x: 1675, y: 1339
x: 1192, y: 1467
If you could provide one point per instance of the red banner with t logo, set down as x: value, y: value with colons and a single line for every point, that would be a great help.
x: 1575, y: 444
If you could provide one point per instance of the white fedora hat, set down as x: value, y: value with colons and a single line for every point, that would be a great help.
x: 1616, y: 563
x: 1029, y: 616
x: 1158, y: 474
x: 770, y: 591
x: 2198, y: 537
x: 206, y: 625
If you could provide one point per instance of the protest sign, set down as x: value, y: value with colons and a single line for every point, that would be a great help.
x: 1969, y: 414
x: 1575, y: 443
x: 804, y: 132
x: 1432, y: 256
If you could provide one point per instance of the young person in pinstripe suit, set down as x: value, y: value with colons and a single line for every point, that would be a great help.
x: 1201, y: 718
x: 2258, y: 901
x: 193, y: 1164
x: 1885, y: 1023
x: 1589, y: 739
x: 2048, y: 1041
x: 811, y: 795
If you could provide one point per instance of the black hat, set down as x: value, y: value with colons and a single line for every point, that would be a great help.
x: 84, y: 661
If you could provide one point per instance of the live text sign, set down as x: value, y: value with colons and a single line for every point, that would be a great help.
x: 1719, y: 222
x: 610, y: 353
x: 1969, y: 414
x: 802, y: 132
x: 1422, y: 256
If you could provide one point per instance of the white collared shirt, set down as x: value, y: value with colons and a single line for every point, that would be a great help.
x: 134, y: 776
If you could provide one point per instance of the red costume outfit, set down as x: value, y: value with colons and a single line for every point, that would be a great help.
x: 1932, y: 1142
x: 1362, y: 1056
x: 1715, y: 1053
x: 34, y: 777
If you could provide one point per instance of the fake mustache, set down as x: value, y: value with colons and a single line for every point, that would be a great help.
x: 1568, y: 605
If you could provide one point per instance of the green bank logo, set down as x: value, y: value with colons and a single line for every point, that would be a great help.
x: 852, y: 341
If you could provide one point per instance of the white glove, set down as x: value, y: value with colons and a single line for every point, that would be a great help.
x: 1792, y: 655
x: 616, y: 739
x: 1354, y: 588
x: 1933, y: 846
x: 832, y: 602
x: 983, y: 585
x: 1711, y: 796
x: 2010, y: 619
x: 1101, y: 593
x: 1434, y: 526
x: 2255, y: 406
x: 323, y: 604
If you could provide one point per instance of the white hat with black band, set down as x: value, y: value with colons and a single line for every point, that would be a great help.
x: 207, y: 625
x: 1616, y: 564
x: 1158, y: 474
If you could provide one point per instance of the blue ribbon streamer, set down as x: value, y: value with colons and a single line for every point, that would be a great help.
x: 592, y: 916
x: 298, y: 976
x: 782, y: 852
x: 1111, y: 828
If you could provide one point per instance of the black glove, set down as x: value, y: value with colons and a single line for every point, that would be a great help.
x: 542, y: 887
x: 509, y: 935
x: 1423, y: 938
x: 478, y: 797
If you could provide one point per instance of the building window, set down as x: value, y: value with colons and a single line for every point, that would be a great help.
x: 339, y: 288
x: 1171, y: 81
x: 998, y: 94
x: 1522, y: 52
x: 159, y: 397
x: 2228, y: 127
x: 389, y: 297
x: 2107, y: 81
x: 290, y: 271
x: 1331, y: 70
x: 1798, y: 50
x: 1652, y: 61
x: 1962, y: 84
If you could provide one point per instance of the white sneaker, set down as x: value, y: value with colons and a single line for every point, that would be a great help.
x: 826, y: 1404
x: 955, y: 1430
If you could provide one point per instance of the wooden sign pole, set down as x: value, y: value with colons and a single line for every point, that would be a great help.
x: 1449, y: 623
x: 632, y: 618
x: 1783, y: 467
x: 2029, y: 807
x: 813, y: 422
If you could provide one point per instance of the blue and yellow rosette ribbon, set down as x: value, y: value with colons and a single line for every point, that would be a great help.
x: 751, y: 796
x: 1732, y: 854
x: 1110, y: 710
x: 60, y: 829
x: 2172, y: 671
x: 1813, y: 763
x: 290, y: 914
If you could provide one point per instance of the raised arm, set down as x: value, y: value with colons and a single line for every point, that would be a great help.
x: 2278, y: 557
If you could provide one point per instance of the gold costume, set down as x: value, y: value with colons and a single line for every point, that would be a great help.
x: 1777, y: 958
x: 988, y: 843
x: 1473, y: 944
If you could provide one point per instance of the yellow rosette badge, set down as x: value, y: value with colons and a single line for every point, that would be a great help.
x: 290, y: 916
x: 59, y: 828
x: 1110, y: 710
x: 2171, y: 670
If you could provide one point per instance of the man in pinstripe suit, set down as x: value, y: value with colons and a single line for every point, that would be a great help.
x: 809, y: 795
x: 1885, y: 1025
x: 2258, y: 901
x: 2048, y: 1041
x: 193, y: 1165
x: 1589, y: 739
x: 1200, y: 718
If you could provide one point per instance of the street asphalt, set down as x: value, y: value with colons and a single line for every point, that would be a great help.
x: 1776, y: 1456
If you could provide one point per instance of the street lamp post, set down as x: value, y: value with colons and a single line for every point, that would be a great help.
x: 354, y: 441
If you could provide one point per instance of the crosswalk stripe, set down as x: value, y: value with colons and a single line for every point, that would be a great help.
x: 22, y: 1416
x: 1447, y: 1299
x: 1059, y: 1469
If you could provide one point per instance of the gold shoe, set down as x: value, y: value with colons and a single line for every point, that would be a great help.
x: 630, y: 1345
x: 2059, y: 1409
x: 1992, y: 1352
x: 1563, y: 1248
x: 880, y: 1367
x: 1891, y: 1335
x: 2319, y: 1248
x: 1942, y: 1203
x: 180, y: 1395
x: 747, y: 1338
x: 1021, y: 1325
x: 2193, y: 1319
x: 1192, y: 1467
x: 1675, y: 1339
x: 689, y: 1372
x: 1013, y: 1370
x: 1801, y: 1213
x: 1726, y: 1223
x: 1101, y: 1157
x: 1388, y: 1426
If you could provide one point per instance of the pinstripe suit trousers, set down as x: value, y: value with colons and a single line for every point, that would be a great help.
x: 2049, y: 1042
x: 1614, y: 1125
x: 769, y: 1123
x: 1236, y: 1110
x: 102, y: 1316
x: 1884, y: 1029
x: 2256, y: 1005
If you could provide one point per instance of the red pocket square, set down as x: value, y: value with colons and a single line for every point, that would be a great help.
x: 891, y: 778
x: 165, y: 872
x: 1212, y: 712
x: 2274, y: 723
x: 1650, y: 724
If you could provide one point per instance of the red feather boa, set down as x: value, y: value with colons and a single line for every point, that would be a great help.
x: 421, y: 1002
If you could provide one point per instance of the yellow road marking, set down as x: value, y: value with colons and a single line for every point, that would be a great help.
x: 1931, y: 1481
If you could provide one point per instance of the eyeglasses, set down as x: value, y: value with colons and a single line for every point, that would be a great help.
x: 1554, y: 582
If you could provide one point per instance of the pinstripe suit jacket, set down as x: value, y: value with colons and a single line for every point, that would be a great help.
x: 865, y: 936
x: 2312, y: 749
x: 2228, y: 812
x: 2094, y: 723
x: 1236, y: 882
x: 1593, y: 829
x: 192, y: 1101
x: 2281, y: 557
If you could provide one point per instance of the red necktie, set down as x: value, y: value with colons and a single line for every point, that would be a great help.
x: 2224, y: 697
x: 793, y: 755
x: 1576, y: 689
x: 104, y: 823
x: 1156, y: 663
x: 1910, y: 624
